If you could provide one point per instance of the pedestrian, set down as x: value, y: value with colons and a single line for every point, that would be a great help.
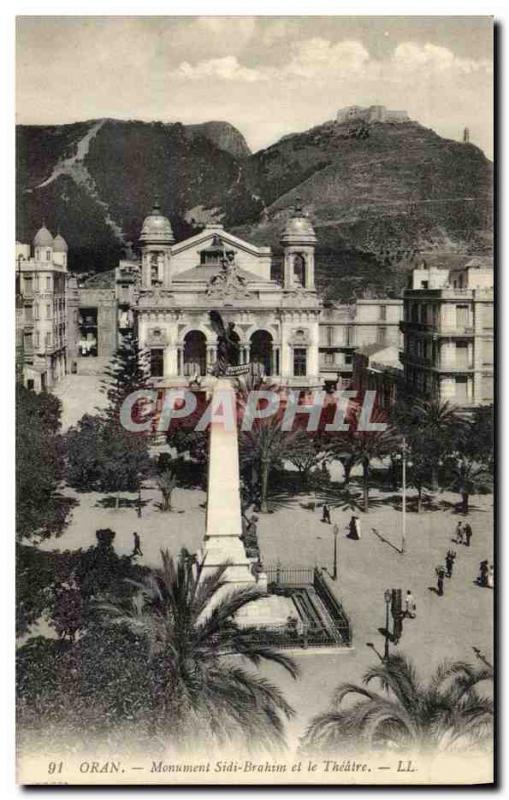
x: 468, y: 534
x: 410, y: 607
x: 440, y: 571
x: 490, y: 579
x: 326, y: 514
x: 483, y: 573
x: 449, y: 562
x: 137, y: 545
x: 459, y: 533
x: 354, y: 528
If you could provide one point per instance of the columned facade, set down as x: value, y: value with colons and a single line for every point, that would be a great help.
x: 276, y: 326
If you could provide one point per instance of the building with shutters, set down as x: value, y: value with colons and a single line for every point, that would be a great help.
x: 448, y: 333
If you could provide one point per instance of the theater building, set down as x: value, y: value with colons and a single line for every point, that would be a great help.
x: 276, y: 323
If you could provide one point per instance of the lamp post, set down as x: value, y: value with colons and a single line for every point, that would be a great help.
x: 387, y: 599
x: 335, y: 532
x: 139, y: 496
x: 404, y: 452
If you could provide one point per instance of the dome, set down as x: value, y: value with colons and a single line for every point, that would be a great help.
x: 156, y: 227
x: 59, y: 244
x: 43, y: 238
x: 298, y: 229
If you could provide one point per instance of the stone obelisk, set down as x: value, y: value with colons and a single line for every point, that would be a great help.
x: 224, y: 519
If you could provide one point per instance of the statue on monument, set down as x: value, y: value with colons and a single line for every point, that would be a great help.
x: 227, y: 344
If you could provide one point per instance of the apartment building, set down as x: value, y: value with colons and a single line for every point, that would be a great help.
x: 344, y: 329
x: 41, y: 310
x: 448, y: 333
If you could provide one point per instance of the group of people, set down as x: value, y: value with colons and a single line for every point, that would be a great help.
x: 445, y: 571
x: 463, y: 533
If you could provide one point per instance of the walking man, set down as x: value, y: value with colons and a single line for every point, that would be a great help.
x: 459, y: 533
x: 326, y: 514
x: 137, y: 545
x: 410, y: 607
x: 440, y: 571
x: 468, y: 534
x: 449, y: 562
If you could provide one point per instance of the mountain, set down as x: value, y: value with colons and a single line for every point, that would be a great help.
x: 224, y: 136
x: 379, y: 195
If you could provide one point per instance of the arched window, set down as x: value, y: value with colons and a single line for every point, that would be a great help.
x: 195, y: 354
x: 261, y: 351
x: 299, y: 269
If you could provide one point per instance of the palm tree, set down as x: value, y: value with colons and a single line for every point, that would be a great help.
x: 432, y: 425
x: 357, y: 446
x: 167, y: 481
x: 265, y: 445
x: 447, y: 713
x: 467, y: 476
x: 202, y: 693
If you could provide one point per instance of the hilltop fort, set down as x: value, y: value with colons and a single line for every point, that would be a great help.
x: 371, y: 114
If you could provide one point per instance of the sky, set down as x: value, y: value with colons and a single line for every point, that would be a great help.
x: 268, y: 76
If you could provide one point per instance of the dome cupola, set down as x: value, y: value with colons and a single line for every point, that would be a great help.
x: 59, y: 244
x: 156, y: 228
x: 298, y: 229
x: 43, y: 237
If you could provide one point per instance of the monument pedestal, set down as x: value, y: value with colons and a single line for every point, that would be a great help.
x: 222, y: 543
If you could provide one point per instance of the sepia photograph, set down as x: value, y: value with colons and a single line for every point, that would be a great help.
x: 255, y: 399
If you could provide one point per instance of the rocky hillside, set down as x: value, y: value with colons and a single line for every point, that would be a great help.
x: 379, y: 195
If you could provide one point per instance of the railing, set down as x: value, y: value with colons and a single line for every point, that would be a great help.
x: 334, y: 631
x: 284, y: 576
x: 334, y: 608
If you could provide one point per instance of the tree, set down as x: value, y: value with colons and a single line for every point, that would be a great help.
x: 447, y: 713
x: 306, y: 453
x: 265, y: 446
x: 40, y: 510
x: 467, y: 476
x: 431, y: 427
x: 189, y: 625
x: 362, y: 447
x: 102, y: 456
x: 167, y: 482
x: 127, y: 372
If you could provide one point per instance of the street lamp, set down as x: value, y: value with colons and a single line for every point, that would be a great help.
x: 387, y: 599
x: 335, y: 532
x: 404, y: 452
x: 139, y: 496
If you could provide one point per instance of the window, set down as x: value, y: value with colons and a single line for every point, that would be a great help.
x: 383, y: 313
x: 329, y: 358
x: 48, y: 311
x: 48, y: 282
x: 48, y: 255
x: 157, y: 362
x: 380, y: 335
x: 37, y: 339
x: 348, y: 359
x: 330, y: 336
x: 299, y: 362
x: 350, y: 335
x: 299, y: 269
x: 462, y: 316
x: 30, y: 384
x: 48, y: 340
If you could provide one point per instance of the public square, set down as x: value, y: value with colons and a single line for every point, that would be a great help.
x: 445, y: 627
